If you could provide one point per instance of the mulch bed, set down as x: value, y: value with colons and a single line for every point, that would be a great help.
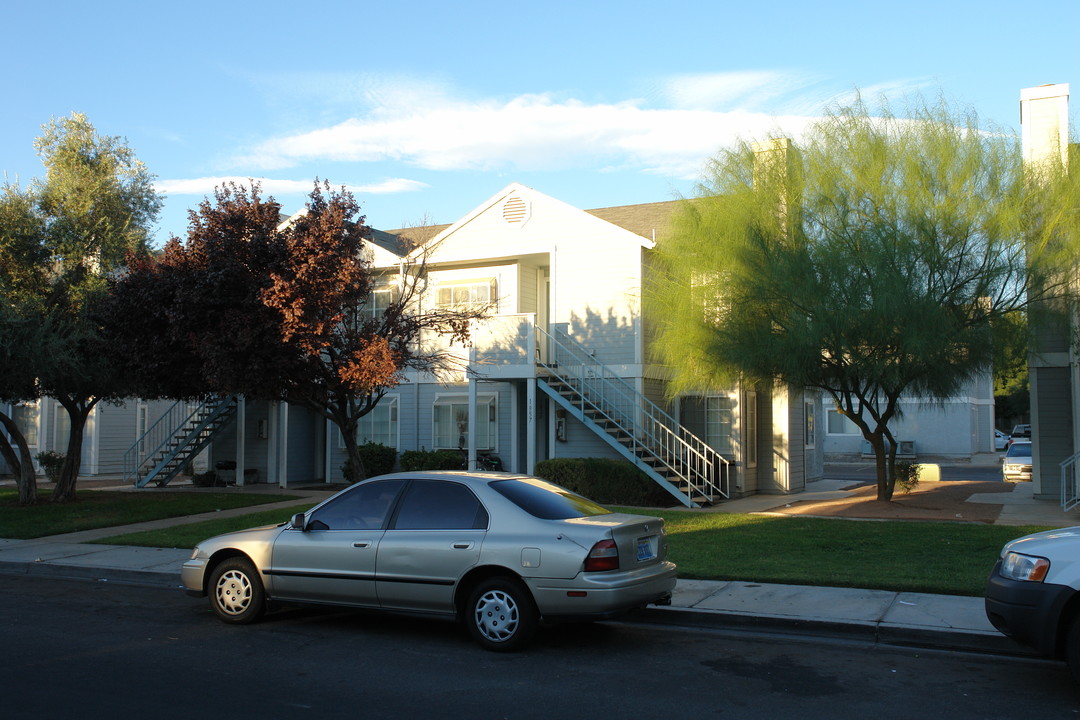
x: 939, y: 501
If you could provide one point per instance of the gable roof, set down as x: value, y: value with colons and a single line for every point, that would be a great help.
x: 646, y: 219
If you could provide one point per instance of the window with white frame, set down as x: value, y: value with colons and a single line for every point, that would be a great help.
x: 142, y: 424
x: 25, y: 416
x: 751, y: 434
x: 380, y: 299
x: 809, y: 425
x: 61, y: 428
x: 466, y: 295
x: 839, y: 424
x: 451, y: 422
x: 378, y: 426
x: 712, y: 417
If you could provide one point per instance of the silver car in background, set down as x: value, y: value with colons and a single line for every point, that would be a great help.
x: 1016, y: 464
x: 496, y: 550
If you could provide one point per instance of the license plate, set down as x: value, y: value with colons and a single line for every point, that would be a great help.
x: 646, y: 548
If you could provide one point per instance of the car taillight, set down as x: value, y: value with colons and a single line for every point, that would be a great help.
x: 603, y: 556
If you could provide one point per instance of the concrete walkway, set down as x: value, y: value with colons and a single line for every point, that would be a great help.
x: 901, y: 618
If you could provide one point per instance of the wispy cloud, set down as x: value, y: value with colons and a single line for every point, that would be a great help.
x: 206, y: 185
x: 422, y: 124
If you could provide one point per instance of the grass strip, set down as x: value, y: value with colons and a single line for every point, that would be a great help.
x: 187, y: 536
x: 94, y: 509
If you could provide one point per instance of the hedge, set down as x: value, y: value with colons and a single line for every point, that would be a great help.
x: 615, y: 482
x: 378, y: 460
x: 414, y: 460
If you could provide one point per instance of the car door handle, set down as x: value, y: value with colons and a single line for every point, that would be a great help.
x: 462, y: 546
x: 362, y: 543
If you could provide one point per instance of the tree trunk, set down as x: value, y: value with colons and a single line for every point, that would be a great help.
x: 884, y: 464
x: 69, y: 473
x: 348, y: 431
x: 22, y: 465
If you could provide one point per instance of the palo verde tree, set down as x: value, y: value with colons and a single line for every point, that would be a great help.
x: 249, y: 306
x: 63, y: 236
x: 870, y: 261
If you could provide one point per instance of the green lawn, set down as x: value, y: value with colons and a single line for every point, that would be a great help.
x: 948, y: 558
x: 934, y: 557
x: 186, y: 536
x: 99, y: 508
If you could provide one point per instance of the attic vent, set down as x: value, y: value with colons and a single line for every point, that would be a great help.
x: 515, y: 210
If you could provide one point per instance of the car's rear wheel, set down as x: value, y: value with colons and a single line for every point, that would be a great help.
x: 236, y: 591
x: 501, y: 614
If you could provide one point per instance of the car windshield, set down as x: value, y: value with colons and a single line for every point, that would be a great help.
x: 1019, y: 449
x: 546, y: 501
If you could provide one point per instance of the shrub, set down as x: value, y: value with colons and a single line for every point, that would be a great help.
x: 412, y: 460
x: 51, y: 463
x: 616, y: 482
x: 206, y: 479
x: 378, y: 459
x: 907, y: 475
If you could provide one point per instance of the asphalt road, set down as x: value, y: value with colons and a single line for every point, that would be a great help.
x: 97, y: 650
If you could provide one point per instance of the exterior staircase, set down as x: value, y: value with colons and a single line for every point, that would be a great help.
x: 642, y: 432
x: 175, y: 439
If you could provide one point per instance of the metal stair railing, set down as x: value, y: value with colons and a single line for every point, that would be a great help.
x: 647, y: 427
x: 1070, y: 492
x: 179, y: 434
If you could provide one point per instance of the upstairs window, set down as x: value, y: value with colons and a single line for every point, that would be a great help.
x: 470, y: 295
x: 380, y: 299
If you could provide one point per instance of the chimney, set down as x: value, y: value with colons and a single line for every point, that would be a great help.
x: 1044, y: 124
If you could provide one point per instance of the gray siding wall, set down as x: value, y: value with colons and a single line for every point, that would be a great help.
x: 1052, y: 427
x: 114, y: 426
x: 256, y: 449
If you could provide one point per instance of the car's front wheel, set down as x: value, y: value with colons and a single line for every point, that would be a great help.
x: 236, y: 591
x: 501, y: 614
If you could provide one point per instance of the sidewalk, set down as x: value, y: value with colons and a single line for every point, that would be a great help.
x: 876, y: 616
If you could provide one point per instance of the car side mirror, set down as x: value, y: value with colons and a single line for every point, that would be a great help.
x: 297, y: 522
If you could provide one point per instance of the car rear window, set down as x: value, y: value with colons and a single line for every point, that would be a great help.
x: 1019, y: 449
x: 546, y: 501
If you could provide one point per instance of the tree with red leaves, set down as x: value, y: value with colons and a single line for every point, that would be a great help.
x: 251, y: 306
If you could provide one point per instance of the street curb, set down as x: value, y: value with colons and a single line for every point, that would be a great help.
x: 80, y: 572
x: 869, y: 632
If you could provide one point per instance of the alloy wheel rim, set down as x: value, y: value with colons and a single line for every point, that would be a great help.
x: 233, y: 592
x: 496, y: 615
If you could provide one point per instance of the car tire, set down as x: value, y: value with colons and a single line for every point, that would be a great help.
x: 1072, y: 647
x: 236, y: 591
x: 501, y: 615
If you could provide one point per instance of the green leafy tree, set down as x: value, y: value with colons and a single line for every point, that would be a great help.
x: 66, y: 233
x: 1012, y: 398
x: 23, y: 271
x: 870, y: 261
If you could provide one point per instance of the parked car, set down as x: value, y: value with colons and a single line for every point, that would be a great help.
x: 1001, y: 440
x: 1019, y: 432
x: 498, y: 551
x: 1033, y: 594
x: 1016, y: 465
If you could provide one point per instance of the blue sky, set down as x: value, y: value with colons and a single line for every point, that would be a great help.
x: 426, y: 109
